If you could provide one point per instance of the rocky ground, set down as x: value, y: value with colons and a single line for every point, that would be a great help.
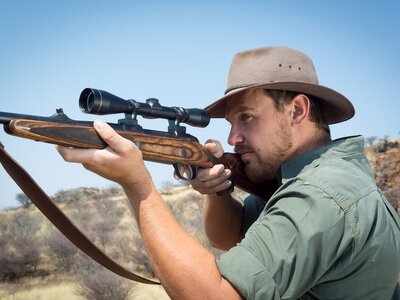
x: 384, y: 158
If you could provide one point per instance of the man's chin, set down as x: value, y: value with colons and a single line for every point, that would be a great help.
x: 258, y: 175
x: 254, y: 175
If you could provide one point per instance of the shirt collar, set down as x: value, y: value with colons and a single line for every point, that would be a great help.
x: 337, y: 148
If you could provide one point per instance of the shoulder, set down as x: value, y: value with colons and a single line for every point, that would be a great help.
x: 344, y: 180
x: 305, y: 202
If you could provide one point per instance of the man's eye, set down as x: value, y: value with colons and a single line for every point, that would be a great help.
x: 245, y: 117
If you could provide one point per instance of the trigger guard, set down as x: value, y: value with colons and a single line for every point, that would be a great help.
x: 193, y: 171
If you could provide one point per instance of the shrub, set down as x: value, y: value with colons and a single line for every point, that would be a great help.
x: 98, y: 283
x: 19, y: 245
x: 61, y: 251
x: 369, y: 141
x: 74, y: 195
x: 23, y: 200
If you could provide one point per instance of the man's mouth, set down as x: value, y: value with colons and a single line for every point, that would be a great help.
x: 245, y: 155
x: 244, y: 152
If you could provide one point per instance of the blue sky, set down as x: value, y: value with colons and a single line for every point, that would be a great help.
x: 179, y: 52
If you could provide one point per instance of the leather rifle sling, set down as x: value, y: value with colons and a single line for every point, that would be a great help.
x: 60, y: 220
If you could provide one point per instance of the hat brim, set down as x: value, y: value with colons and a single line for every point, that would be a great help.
x: 337, y: 107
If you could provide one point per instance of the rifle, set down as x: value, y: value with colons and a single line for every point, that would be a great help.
x: 174, y: 146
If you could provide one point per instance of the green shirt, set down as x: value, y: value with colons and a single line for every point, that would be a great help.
x: 327, y: 233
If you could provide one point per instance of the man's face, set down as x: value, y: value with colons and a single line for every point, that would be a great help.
x: 260, y: 133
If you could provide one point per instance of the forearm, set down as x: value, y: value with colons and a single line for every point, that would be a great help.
x: 222, y: 220
x: 184, y: 267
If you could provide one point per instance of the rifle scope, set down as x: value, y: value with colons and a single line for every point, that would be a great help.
x: 98, y: 102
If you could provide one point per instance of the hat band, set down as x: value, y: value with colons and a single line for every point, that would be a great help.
x: 244, y: 85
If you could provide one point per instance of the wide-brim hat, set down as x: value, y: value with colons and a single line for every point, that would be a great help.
x: 281, y: 68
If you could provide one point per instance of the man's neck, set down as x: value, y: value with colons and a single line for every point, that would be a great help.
x: 311, y: 140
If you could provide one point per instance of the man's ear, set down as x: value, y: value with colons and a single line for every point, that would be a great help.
x: 300, y: 108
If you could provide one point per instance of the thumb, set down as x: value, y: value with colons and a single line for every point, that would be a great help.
x: 111, y: 137
x: 214, y: 147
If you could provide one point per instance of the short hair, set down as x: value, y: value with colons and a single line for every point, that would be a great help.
x: 316, y: 115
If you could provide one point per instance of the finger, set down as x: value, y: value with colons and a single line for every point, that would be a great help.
x: 214, y: 147
x: 217, y: 171
x: 76, y: 155
x: 212, y: 189
x: 209, y: 183
x: 112, y: 138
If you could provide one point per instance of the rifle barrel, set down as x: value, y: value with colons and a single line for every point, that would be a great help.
x: 6, y: 117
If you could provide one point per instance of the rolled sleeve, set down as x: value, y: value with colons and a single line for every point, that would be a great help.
x: 248, y: 274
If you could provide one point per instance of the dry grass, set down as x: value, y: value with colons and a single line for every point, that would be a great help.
x: 59, y: 291
x: 66, y: 290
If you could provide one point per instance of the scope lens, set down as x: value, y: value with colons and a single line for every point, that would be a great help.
x: 90, y: 101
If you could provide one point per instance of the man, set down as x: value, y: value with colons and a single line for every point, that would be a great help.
x: 326, y: 233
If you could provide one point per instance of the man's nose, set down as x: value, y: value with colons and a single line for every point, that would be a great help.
x: 235, y: 137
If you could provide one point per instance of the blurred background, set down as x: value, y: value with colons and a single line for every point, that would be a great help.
x: 180, y: 52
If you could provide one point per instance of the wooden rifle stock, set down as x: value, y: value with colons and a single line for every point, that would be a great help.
x: 156, y: 146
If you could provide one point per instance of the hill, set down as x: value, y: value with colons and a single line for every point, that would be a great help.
x: 384, y: 158
x: 37, y: 262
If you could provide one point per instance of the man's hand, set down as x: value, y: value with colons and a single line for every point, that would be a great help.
x: 121, y: 161
x: 215, y: 179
